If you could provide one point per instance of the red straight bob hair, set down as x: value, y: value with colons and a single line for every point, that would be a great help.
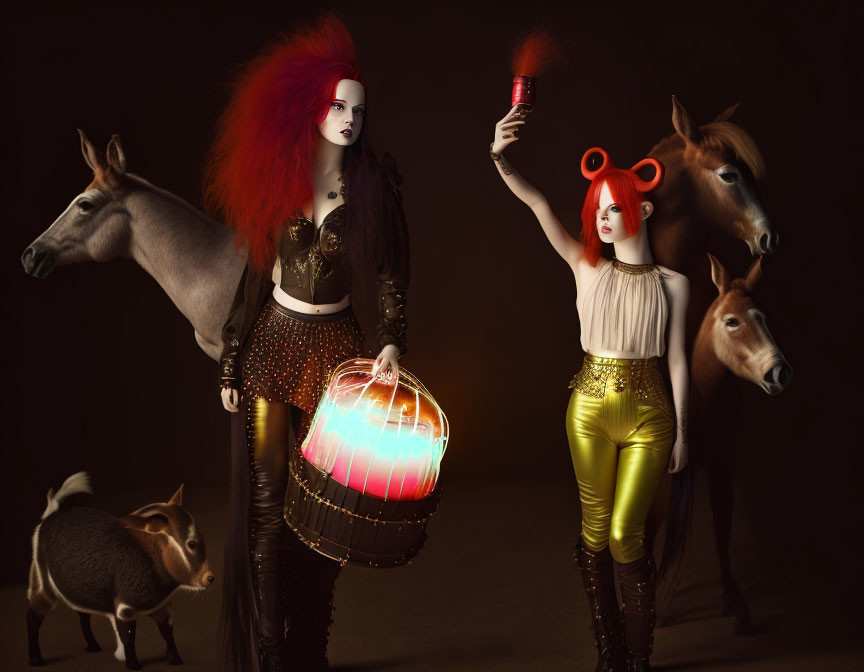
x: 259, y: 172
x: 626, y: 189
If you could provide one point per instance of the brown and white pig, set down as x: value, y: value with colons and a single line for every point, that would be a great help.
x: 122, y: 568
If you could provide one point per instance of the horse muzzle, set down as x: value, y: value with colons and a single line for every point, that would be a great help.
x: 38, y: 261
x: 777, y: 378
x: 764, y: 241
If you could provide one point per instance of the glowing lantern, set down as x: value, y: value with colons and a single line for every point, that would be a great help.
x: 380, y: 437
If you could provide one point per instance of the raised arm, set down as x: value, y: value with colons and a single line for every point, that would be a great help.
x: 505, y: 134
x: 679, y: 296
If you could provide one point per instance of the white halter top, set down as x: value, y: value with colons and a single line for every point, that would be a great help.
x: 625, y: 310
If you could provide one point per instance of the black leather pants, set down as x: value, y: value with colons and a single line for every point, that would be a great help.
x: 270, y: 434
x: 294, y: 584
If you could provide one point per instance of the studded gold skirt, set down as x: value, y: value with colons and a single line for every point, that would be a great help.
x: 291, y: 355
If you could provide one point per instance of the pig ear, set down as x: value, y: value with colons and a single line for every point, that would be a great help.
x: 177, y: 497
x: 156, y: 523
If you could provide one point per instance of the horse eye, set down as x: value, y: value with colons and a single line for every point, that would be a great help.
x: 730, y: 177
x: 85, y: 205
x: 731, y: 322
x: 192, y: 544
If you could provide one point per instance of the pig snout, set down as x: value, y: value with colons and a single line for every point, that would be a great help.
x: 204, y: 579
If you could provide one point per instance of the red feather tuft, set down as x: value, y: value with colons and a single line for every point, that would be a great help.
x: 259, y: 172
x: 535, y: 52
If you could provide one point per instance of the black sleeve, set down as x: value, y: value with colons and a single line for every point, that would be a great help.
x: 248, y: 299
x: 393, y: 265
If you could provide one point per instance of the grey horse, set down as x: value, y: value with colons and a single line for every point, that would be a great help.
x: 193, y: 258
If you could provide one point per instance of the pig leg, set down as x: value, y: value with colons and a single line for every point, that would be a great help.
x: 164, y: 618
x: 92, y: 644
x: 35, y: 615
x: 126, y: 633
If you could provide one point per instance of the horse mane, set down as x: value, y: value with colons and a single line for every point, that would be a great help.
x: 720, y: 134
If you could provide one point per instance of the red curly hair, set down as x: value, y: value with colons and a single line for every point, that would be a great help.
x: 259, y: 171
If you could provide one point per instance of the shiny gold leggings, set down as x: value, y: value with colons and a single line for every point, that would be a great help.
x: 620, y: 447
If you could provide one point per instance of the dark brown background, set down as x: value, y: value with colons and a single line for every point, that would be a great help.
x: 103, y: 373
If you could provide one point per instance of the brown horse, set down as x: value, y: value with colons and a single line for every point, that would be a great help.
x: 733, y: 338
x: 711, y: 183
x: 711, y: 175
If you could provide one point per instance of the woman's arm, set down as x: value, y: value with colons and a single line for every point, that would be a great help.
x: 505, y: 134
x: 679, y: 293
x: 394, y: 274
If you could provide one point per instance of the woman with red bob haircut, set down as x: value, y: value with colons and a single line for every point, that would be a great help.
x: 621, y: 423
x: 291, y: 172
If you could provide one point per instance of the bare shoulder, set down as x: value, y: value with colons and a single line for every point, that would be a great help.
x: 677, y: 284
x: 673, y: 278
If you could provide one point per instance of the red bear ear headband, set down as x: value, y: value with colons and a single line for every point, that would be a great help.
x: 595, y: 154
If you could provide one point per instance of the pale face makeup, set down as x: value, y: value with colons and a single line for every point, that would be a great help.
x: 610, y: 217
x: 344, y: 119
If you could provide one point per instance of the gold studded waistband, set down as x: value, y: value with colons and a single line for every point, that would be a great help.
x: 600, y: 376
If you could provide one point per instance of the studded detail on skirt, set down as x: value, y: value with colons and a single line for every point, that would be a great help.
x: 291, y: 355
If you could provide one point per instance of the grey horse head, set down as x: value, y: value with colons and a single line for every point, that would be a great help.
x: 95, y: 225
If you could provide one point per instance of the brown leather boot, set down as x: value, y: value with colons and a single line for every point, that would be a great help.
x: 638, y: 579
x: 599, y: 582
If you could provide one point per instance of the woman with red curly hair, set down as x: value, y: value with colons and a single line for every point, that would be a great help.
x: 290, y: 171
x: 621, y: 424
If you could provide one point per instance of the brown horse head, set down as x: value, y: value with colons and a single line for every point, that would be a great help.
x: 712, y: 174
x: 95, y: 224
x: 734, y: 334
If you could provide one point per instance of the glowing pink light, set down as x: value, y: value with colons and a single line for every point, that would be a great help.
x: 379, y: 438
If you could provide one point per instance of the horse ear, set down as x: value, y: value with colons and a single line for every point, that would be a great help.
x: 754, y: 275
x: 726, y: 114
x: 91, y: 155
x: 177, y: 497
x: 719, y: 275
x: 116, y: 156
x: 683, y: 124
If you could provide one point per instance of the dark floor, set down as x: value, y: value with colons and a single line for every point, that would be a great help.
x: 495, y: 589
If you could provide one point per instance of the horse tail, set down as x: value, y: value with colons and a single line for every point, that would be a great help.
x: 677, y: 527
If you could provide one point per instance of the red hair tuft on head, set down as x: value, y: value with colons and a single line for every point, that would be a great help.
x: 259, y: 171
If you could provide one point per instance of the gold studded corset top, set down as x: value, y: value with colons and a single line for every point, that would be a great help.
x: 313, y: 259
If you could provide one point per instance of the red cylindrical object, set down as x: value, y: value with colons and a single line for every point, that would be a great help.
x: 524, y: 91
